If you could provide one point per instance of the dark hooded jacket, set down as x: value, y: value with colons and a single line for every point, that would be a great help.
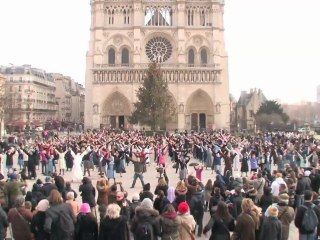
x: 146, y: 216
x: 88, y: 193
x: 271, y: 229
x: 111, y: 229
x: 196, y: 206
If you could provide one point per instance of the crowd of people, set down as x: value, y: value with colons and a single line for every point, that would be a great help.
x: 259, y: 185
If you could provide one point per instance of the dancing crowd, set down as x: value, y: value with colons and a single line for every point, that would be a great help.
x: 259, y: 186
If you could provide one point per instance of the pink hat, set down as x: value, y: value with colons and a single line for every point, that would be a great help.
x: 84, y: 208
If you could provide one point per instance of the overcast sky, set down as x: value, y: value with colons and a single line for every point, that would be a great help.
x: 272, y: 44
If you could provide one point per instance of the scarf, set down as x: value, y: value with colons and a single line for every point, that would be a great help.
x: 170, y: 215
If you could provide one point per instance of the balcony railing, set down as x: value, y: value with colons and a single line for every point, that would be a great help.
x: 162, y: 65
x: 174, y: 73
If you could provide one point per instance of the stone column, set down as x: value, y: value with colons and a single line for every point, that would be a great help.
x: 181, y: 20
x: 138, y: 21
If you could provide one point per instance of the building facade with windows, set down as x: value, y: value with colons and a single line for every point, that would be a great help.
x: 29, y: 96
x: 70, y: 98
x: 186, y: 37
x: 246, y: 108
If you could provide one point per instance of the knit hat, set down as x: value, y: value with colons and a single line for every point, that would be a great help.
x: 284, y: 197
x: 135, y: 197
x: 43, y: 205
x: 85, y: 208
x: 147, y: 203
x: 272, y: 211
x: 183, y: 207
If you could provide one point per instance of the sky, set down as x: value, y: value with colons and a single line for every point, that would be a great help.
x: 273, y: 45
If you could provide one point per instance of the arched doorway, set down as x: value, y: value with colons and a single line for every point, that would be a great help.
x: 199, y: 111
x: 116, y: 111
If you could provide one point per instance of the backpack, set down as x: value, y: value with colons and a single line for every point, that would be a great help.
x: 310, y: 219
x: 65, y: 224
x: 144, y: 231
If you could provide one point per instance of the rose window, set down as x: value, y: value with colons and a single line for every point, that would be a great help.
x: 159, y: 49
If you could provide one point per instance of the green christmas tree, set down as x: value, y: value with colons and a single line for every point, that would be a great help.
x: 155, y: 105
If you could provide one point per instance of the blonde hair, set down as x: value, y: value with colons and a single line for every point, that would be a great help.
x: 55, y: 197
x: 273, y: 211
x: 247, y: 205
x: 162, y: 182
x: 70, y: 196
x: 113, y: 211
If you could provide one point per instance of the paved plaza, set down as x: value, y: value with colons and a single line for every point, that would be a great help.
x: 151, y: 176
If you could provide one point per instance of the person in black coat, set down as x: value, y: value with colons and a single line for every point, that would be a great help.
x: 146, y: 193
x: 300, y: 215
x: 160, y: 202
x: 266, y: 200
x: 88, y: 193
x: 315, y: 181
x: 86, y: 226
x: 146, y: 215
x: 69, y: 160
x: 9, y: 157
x: 271, y: 227
x: 197, y: 209
x: 38, y: 220
x: 47, y: 187
x: 214, y: 200
x: 236, y: 201
x: 114, y: 226
x: 221, y: 223
x: 33, y: 156
x: 162, y: 185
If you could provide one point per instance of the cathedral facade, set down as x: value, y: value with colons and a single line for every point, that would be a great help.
x: 186, y: 37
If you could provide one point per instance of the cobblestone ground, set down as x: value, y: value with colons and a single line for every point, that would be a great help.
x: 151, y: 176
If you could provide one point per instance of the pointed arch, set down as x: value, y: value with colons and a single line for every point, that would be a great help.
x: 116, y: 104
x: 191, y: 57
x: 200, y: 110
x: 204, y: 57
x: 125, y: 57
x: 111, y: 56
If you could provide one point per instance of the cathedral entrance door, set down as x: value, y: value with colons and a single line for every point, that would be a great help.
x: 121, y: 122
x: 194, y: 121
x: 113, y: 121
x: 202, y: 121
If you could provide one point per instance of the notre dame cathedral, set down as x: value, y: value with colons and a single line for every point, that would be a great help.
x: 185, y: 36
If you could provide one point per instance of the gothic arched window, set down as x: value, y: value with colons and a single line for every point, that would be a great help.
x: 125, y: 16
x: 111, y: 56
x: 204, y: 57
x: 125, y: 57
x: 202, y: 18
x: 190, y: 17
x: 191, y: 57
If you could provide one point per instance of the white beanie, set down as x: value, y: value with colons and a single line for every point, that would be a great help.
x: 147, y: 203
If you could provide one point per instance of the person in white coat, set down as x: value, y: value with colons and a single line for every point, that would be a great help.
x: 77, y: 173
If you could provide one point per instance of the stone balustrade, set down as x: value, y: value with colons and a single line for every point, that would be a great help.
x: 104, y: 74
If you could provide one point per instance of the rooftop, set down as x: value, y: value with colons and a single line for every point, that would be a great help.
x: 26, y: 69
